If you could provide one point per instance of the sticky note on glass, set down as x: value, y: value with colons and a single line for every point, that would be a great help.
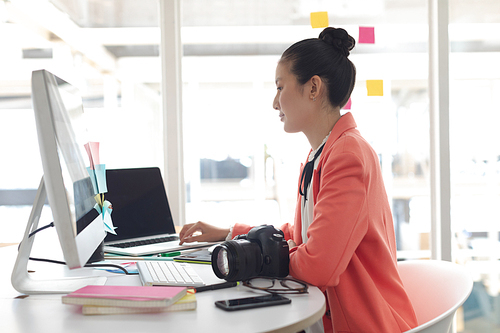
x: 319, y: 19
x: 366, y: 35
x: 347, y: 106
x: 375, y: 87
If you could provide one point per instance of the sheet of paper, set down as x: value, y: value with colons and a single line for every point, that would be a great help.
x: 108, y: 222
x: 98, y: 208
x: 99, y: 199
x: 100, y: 174
x: 93, y: 179
x: 319, y: 19
x: 92, y: 149
x: 98, y: 179
x: 107, y: 207
x: 375, y: 87
x: 97, y: 173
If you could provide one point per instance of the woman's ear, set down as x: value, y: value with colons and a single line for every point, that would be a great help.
x: 316, y: 86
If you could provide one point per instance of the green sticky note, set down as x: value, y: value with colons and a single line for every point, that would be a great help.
x: 375, y: 87
x: 319, y: 19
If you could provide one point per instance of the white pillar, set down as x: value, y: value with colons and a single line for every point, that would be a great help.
x: 439, y: 111
x: 171, y: 58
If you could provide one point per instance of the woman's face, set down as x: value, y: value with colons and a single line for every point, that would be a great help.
x: 291, y: 100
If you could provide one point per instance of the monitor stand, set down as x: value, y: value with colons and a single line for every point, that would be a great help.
x: 22, y: 281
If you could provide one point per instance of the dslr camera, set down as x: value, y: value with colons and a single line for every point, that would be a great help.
x: 261, y: 252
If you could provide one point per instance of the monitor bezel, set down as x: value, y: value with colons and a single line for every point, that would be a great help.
x: 76, y: 247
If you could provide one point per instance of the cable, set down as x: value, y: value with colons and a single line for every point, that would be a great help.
x: 48, y: 260
x: 51, y: 224
x: 86, y: 265
x: 111, y: 265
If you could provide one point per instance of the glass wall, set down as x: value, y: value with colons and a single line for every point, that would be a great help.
x: 121, y: 101
x: 475, y: 155
x: 229, y: 120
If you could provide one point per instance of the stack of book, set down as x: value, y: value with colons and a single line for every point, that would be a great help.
x: 97, y: 300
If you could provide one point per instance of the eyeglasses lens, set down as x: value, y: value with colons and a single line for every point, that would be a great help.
x: 293, y: 285
x: 262, y: 283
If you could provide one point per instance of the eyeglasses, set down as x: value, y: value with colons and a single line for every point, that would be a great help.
x: 286, y: 285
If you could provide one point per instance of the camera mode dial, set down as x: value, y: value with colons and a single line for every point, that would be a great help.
x: 277, y: 237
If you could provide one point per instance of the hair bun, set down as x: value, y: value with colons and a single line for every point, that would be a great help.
x: 339, y: 39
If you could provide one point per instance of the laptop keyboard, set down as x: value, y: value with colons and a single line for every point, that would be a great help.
x: 146, y: 242
x: 170, y: 273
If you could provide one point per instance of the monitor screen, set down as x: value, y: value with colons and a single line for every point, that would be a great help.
x: 140, y: 206
x: 71, y: 136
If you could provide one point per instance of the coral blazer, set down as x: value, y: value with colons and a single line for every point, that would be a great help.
x: 351, y: 250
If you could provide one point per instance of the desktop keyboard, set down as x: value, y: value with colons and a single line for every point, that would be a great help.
x: 168, y: 273
x: 146, y: 241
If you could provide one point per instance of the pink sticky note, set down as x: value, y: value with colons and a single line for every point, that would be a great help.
x: 92, y: 149
x: 366, y: 35
x: 348, y: 105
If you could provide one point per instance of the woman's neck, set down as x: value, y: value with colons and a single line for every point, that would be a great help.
x: 323, y: 126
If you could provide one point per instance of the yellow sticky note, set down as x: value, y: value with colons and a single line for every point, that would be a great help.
x: 375, y: 87
x: 319, y: 19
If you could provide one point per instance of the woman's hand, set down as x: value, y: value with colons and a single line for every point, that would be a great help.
x: 202, y: 232
x: 291, y: 243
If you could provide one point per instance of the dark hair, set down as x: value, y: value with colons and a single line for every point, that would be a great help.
x: 325, y: 56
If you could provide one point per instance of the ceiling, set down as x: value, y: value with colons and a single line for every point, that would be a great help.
x: 105, y: 36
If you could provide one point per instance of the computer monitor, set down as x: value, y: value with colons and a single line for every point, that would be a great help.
x: 66, y: 183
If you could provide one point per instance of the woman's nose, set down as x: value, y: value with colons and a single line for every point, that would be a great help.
x: 276, y: 103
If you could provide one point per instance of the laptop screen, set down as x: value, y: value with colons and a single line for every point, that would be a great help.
x: 140, y: 206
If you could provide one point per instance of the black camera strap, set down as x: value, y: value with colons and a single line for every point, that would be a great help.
x: 307, y: 174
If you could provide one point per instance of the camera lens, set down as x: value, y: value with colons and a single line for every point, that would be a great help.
x: 222, y: 263
x: 237, y: 260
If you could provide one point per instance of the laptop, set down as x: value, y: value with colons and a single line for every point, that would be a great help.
x: 141, y: 214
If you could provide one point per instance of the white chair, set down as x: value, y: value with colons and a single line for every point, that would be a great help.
x: 436, y: 289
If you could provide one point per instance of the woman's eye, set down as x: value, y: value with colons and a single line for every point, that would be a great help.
x: 280, y: 88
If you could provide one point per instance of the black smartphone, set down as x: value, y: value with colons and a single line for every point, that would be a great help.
x: 251, y: 302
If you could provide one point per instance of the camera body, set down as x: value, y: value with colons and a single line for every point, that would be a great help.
x: 261, y: 252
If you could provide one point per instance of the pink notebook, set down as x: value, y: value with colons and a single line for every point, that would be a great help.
x: 125, y: 296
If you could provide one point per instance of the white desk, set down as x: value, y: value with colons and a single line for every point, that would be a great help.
x: 46, y: 313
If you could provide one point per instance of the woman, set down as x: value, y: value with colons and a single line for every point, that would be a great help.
x: 342, y: 239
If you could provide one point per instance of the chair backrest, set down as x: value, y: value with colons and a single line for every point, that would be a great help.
x: 436, y: 289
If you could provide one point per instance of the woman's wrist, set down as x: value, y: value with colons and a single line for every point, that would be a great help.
x: 229, y: 235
